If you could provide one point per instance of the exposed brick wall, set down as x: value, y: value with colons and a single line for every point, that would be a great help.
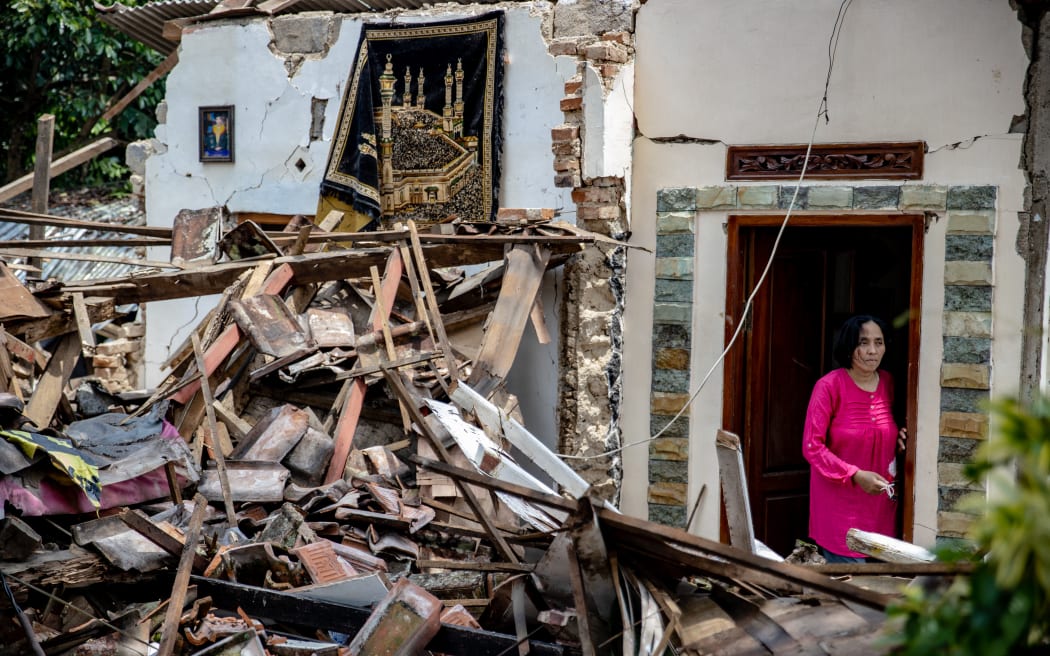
x: 592, y: 327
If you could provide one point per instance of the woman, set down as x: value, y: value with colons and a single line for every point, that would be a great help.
x: 849, y: 441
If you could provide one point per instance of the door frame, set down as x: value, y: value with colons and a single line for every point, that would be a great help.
x: 733, y: 369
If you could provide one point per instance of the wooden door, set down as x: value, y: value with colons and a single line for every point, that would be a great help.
x: 821, y: 275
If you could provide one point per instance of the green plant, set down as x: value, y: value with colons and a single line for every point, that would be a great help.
x: 1004, y: 606
x: 57, y: 57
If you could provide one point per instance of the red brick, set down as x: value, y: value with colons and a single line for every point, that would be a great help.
x: 567, y: 180
x: 609, y: 71
x: 606, y: 181
x: 565, y: 133
x: 566, y: 164
x: 510, y: 214
x: 562, y: 48
x: 567, y: 148
x: 607, y: 51
x: 108, y: 361
x: 618, y: 37
x: 573, y: 88
x: 596, y: 195
x: 571, y: 104
x: 608, y: 212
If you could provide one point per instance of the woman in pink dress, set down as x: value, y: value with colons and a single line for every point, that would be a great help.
x: 850, y: 441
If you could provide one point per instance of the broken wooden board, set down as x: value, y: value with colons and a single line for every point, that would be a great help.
x: 195, y: 236
x: 521, y: 283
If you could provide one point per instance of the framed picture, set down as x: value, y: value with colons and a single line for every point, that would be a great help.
x: 215, y: 134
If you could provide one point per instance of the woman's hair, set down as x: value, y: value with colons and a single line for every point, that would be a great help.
x: 849, y: 337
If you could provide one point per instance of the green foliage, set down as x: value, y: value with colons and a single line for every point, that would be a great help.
x: 1004, y: 606
x: 57, y: 57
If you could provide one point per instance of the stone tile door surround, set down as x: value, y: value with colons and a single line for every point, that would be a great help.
x: 966, y: 330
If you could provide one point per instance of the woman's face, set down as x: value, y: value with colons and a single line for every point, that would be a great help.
x: 870, y: 349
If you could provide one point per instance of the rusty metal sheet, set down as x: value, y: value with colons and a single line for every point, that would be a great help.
x: 330, y: 328
x: 18, y: 302
x: 270, y: 325
x: 195, y: 236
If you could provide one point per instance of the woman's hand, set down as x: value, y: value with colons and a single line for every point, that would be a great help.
x: 902, y: 440
x: 870, y: 482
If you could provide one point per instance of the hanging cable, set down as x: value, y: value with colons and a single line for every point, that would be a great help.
x: 822, y: 112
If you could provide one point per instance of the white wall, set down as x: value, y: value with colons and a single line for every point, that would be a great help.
x: 944, y: 71
x: 231, y: 62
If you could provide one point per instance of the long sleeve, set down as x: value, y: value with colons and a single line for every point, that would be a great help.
x: 815, y: 436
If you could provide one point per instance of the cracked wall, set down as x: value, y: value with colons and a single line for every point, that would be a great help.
x: 285, y: 78
x: 717, y: 73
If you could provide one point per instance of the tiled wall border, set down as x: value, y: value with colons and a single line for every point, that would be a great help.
x: 966, y: 332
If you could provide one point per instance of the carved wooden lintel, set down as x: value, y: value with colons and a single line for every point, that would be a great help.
x: 895, y: 161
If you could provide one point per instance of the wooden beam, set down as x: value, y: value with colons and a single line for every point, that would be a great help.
x: 213, y: 434
x: 522, y: 278
x: 432, y: 305
x: 734, y: 491
x: 50, y: 390
x: 307, y: 268
x: 83, y: 319
x: 82, y: 243
x: 36, y: 329
x: 45, y: 136
x: 35, y: 254
x: 33, y: 218
x: 170, y: 629
x: 139, y: 522
x: 60, y: 166
x: 162, y: 69
x: 693, y: 551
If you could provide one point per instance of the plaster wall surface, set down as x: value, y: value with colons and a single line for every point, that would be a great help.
x: 278, y: 168
x: 722, y: 72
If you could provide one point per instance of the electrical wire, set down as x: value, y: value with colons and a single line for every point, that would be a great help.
x: 822, y: 112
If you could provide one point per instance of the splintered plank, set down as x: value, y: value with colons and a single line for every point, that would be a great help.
x: 50, y: 389
x: 734, y: 491
x: 170, y: 628
x: 517, y: 297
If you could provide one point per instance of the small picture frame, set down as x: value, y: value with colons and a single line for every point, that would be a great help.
x: 215, y: 133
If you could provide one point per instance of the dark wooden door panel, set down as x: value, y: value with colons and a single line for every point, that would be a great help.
x: 822, y: 274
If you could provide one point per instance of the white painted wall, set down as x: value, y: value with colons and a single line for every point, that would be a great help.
x: 945, y: 71
x: 231, y: 63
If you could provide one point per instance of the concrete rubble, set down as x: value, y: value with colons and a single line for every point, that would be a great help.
x: 350, y: 475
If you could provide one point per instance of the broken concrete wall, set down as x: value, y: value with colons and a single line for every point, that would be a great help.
x: 722, y: 73
x: 285, y: 78
x: 592, y: 151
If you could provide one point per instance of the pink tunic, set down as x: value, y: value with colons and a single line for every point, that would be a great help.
x: 848, y: 429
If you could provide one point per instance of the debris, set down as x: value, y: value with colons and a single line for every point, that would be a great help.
x: 351, y: 450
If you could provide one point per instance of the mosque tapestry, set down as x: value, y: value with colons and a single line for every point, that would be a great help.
x: 419, y: 130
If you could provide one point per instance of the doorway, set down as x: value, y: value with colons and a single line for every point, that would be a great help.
x: 826, y: 269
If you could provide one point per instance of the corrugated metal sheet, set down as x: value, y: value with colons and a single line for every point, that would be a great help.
x: 146, y: 23
x: 124, y: 211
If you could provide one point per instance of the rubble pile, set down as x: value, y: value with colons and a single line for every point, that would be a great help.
x: 335, y: 466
